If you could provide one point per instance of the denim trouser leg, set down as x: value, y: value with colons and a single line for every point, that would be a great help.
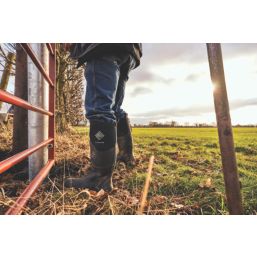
x: 106, y: 78
x: 119, y: 112
x: 125, y: 68
x: 102, y: 81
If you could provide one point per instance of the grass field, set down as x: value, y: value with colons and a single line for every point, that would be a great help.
x: 187, y: 176
x: 188, y: 170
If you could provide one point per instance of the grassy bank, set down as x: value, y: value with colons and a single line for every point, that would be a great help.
x: 187, y: 176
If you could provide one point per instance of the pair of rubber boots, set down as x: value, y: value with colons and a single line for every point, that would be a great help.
x: 103, y: 152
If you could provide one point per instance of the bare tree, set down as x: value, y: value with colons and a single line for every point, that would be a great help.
x: 6, y: 72
x: 4, y: 59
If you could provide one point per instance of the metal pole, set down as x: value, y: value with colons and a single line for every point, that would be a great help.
x: 225, y: 132
x: 38, y: 96
x: 52, y: 74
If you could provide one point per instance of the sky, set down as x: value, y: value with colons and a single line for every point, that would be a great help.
x: 173, y: 83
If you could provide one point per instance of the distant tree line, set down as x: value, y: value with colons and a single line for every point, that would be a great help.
x: 174, y: 124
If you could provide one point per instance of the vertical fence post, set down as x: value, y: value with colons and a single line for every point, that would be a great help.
x: 225, y: 132
x: 37, y: 123
x: 52, y: 72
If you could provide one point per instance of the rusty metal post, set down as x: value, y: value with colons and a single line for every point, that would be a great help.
x: 52, y: 74
x: 225, y: 132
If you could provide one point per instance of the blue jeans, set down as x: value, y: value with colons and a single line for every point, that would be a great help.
x: 106, y: 78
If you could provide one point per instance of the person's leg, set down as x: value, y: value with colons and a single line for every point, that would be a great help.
x: 119, y: 112
x: 102, y: 75
x: 124, y: 136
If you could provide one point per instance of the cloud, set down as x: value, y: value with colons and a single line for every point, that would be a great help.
x: 144, y: 75
x: 191, y: 110
x: 193, y: 77
x: 140, y: 91
x: 176, y: 112
x: 236, y: 104
x: 156, y: 54
x: 236, y: 50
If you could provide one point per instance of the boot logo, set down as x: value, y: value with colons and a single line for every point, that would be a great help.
x: 99, y: 135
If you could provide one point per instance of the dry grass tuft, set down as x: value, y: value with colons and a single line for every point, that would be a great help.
x: 5, y: 140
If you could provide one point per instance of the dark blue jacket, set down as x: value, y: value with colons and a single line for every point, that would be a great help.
x: 86, y: 51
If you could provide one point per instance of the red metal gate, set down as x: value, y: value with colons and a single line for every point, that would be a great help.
x: 9, y: 98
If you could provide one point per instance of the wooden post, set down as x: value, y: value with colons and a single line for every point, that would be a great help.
x: 225, y: 132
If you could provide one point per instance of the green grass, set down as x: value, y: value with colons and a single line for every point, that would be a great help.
x: 185, y: 159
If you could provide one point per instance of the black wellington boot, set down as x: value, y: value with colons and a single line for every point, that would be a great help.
x: 125, y: 142
x: 103, y: 158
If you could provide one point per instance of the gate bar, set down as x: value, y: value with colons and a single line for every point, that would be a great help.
x: 8, y: 163
x: 11, y: 99
x: 30, y: 189
x: 38, y: 64
x: 225, y: 132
